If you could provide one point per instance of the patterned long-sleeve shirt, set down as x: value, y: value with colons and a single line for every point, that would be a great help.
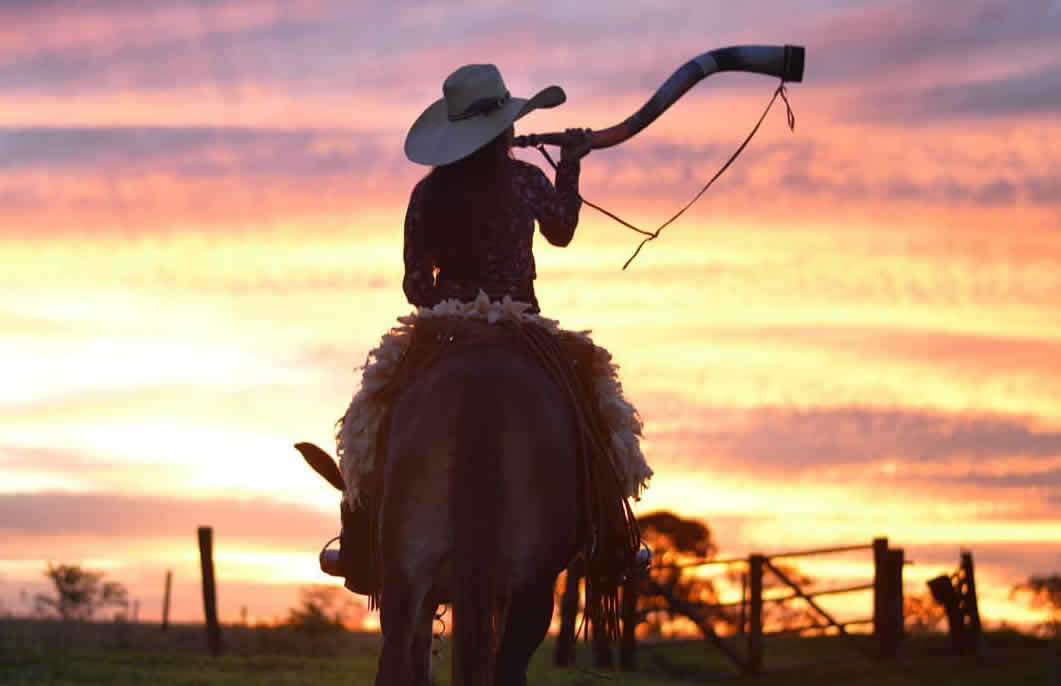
x: 505, y: 251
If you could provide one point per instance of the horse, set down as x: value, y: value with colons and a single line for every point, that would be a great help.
x: 478, y: 510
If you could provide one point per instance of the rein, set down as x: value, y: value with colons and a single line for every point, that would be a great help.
x: 653, y: 235
x: 783, y: 61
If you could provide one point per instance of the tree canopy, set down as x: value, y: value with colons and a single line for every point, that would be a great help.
x: 323, y: 608
x: 688, y: 536
x: 79, y: 593
x: 1044, y: 592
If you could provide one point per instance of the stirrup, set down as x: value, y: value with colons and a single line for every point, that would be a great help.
x: 642, y: 563
x: 331, y: 561
x: 643, y: 558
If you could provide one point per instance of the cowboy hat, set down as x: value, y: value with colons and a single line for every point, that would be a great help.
x: 475, y: 108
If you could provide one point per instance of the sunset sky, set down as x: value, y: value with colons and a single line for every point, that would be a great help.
x: 855, y: 333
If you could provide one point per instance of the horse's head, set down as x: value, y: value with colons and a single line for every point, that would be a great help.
x: 322, y: 463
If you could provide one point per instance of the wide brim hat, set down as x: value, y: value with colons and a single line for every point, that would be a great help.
x: 476, y: 108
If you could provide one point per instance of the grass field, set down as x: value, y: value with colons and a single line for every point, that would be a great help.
x: 125, y: 654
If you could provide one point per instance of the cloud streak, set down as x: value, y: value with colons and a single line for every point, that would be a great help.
x: 333, y: 47
x: 127, y: 516
x: 103, y: 174
x: 876, y: 38
x: 267, y: 66
x: 1016, y: 94
x: 193, y: 152
x: 938, y: 349
x: 792, y: 441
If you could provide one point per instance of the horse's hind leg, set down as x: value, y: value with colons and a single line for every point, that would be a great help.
x: 422, y: 639
x: 530, y: 611
x: 401, y: 610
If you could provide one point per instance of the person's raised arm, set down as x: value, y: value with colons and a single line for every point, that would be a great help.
x: 557, y: 207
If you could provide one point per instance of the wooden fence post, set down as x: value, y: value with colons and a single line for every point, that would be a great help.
x: 880, y: 596
x: 970, y: 606
x: 564, y: 654
x: 743, y: 620
x: 754, y: 665
x: 165, y: 600
x: 628, y: 644
x: 887, y: 599
x: 957, y: 594
x: 206, y: 562
x: 942, y: 588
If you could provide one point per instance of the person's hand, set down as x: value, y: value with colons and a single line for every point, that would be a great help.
x: 578, y: 149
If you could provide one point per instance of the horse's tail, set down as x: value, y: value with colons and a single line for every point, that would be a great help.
x: 479, y: 600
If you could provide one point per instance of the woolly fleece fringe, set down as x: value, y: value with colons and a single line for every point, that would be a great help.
x: 359, y: 427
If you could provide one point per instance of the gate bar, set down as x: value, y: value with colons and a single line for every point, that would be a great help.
x: 800, y: 593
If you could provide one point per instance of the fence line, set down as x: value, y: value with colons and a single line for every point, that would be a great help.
x: 887, y: 617
x: 799, y: 592
x: 817, y: 627
x: 775, y: 556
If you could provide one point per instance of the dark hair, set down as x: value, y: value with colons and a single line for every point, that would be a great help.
x: 460, y: 201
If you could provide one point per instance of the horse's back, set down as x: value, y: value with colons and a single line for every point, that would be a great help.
x: 484, y: 427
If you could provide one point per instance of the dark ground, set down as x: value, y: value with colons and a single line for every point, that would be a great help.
x: 42, y: 652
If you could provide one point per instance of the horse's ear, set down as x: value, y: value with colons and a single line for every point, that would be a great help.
x: 322, y: 463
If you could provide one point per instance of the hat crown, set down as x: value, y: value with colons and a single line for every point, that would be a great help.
x: 470, y: 83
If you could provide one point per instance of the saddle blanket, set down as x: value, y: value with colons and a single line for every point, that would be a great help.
x: 359, y: 428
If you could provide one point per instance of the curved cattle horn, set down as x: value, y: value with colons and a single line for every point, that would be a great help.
x: 784, y: 61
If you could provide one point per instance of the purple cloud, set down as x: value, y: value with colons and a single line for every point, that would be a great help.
x: 135, y: 516
x: 894, y: 37
x: 1019, y: 93
x: 334, y: 47
x: 771, y: 439
x: 195, y: 151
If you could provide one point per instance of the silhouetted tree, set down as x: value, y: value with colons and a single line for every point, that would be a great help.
x: 675, y: 543
x: 79, y: 593
x: 324, y: 609
x: 1044, y: 592
x: 670, y: 532
x: 923, y: 614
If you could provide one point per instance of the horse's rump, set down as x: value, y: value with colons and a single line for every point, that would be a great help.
x: 475, y: 509
x: 605, y: 526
